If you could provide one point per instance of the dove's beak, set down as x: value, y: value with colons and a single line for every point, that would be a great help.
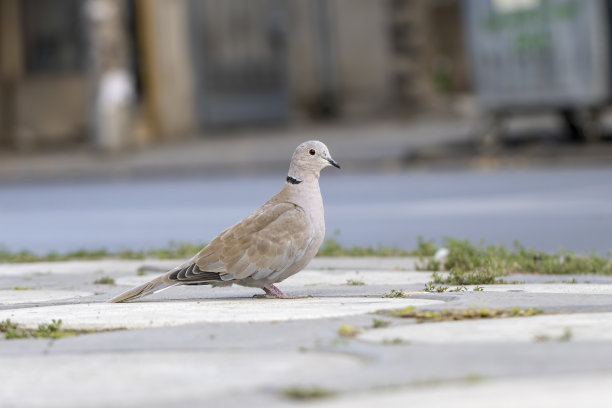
x: 332, y: 162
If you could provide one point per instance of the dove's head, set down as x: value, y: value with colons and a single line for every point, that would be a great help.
x: 309, y: 159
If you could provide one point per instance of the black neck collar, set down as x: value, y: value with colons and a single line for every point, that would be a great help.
x: 293, y: 180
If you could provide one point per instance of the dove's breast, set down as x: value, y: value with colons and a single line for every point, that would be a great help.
x: 307, y: 199
x: 311, y: 202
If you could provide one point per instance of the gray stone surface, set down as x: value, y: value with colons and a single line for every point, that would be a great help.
x: 17, y: 296
x: 136, y: 315
x: 153, y: 378
x: 560, y: 288
x: 474, y: 393
x: 202, y: 346
x: 561, y: 327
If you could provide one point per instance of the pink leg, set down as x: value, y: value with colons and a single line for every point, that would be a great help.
x: 272, y: 292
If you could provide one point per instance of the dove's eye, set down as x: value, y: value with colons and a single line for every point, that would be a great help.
x: 312, y: 152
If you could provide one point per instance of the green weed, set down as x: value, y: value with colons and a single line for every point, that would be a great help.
x: 393, y: 293
x: 470, y: 264
x: 51, y: 330
x: 348, y: 331
x: 567, y: 335
x: 332, y: 248
x: 379, y: 323
x: 173, y: 251
x: 431, y: 287
x: 424, y: 248
x: 462, y: 314
x: 354, y: 282
x: 12, y: 331
x: 105, y: 280
x: 307, y: 393
x: 395, y: 340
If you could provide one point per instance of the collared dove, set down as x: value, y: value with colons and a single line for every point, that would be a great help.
x: 273, y: 243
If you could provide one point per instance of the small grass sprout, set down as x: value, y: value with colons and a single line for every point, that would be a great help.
x: 53, y: 330
x: 348, y: 331
x: 354, y: 282
x: 431, y: 287
x: 302, y: 393
x: 566, y: 335
x: 395, y: 340
x: 105, y: 280
x: 393, y: 293
x: 463, y: 314
x: 379, y: 323
x: 12, y: 330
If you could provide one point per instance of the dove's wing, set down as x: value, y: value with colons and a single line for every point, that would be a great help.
x: 268, y: 241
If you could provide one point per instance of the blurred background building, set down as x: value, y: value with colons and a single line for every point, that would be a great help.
x: 124, y: 73
x: 115, y: 74
x: 217, y: 88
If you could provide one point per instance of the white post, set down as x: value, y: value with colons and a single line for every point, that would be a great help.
x: 111, y: 84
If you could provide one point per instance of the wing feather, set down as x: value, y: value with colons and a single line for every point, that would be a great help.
x: 266, y: 242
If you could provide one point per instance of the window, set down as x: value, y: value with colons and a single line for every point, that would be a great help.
x: 53, y: 36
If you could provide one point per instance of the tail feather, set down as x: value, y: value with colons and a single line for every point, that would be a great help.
x: 154, y: 286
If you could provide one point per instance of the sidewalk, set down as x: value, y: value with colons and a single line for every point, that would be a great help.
x: 382, y: 145
x: 195, y: 346
x: 370, y: 145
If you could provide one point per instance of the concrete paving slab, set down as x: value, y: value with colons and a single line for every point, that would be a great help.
x: 561, y: 288
x: 318, y: 277
x: 107, y: 316
x: 80, y: 267
x: 244, y: 351
x: 14, y: 297
x: 591, y: 391
x: 130, y: 266
x: 580, y: 326
x: 154, y: 378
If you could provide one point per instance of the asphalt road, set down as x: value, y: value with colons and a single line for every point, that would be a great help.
x: 547, y: 209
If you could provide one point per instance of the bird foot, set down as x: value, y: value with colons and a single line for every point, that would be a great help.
x: 272, y: 292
